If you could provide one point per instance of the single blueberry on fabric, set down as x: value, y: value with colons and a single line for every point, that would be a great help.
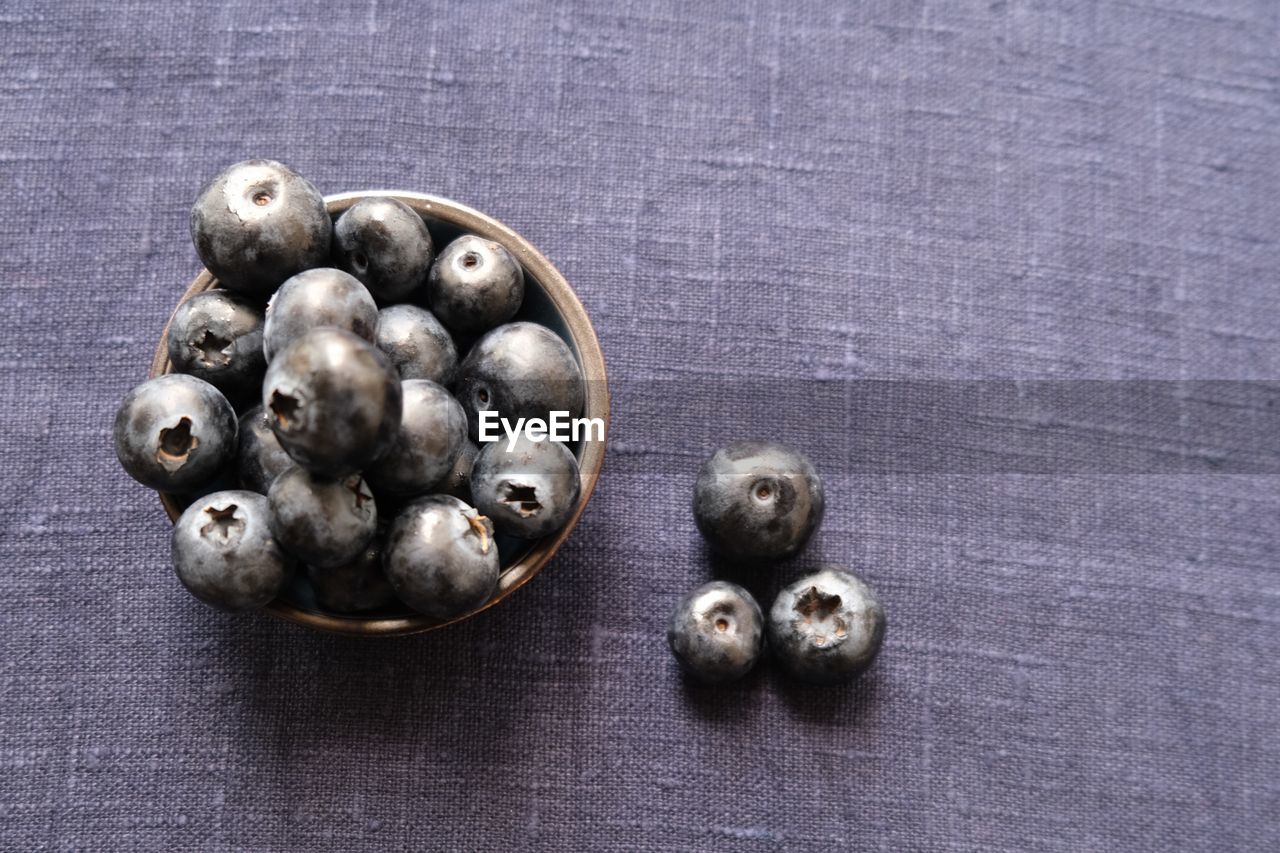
x: 529, y: 490
x: 716, y: 632
x: 258, y: 223
x: 520, y: 370
x: 333, y: 401
x: 757, y: 500
x: 175, y: 433
x: 224, y: 553
x: 321, y: 521
x: 315, y: 298
x: 475, y: 285
x: 386, y: 245
x: 217, y: 336
x: 432, y: 434
x: 416, y: 344
x: 441, y: 558
x: 827, y: 627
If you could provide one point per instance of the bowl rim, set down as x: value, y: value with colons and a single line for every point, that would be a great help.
x: 596, y: 404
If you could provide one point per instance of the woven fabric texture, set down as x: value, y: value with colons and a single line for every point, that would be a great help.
x: 748, y: 196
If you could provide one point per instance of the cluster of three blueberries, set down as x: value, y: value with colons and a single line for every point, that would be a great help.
x: 759, y: 502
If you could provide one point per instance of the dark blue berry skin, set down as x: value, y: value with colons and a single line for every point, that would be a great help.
x: 386, y: 245
x: 175, y: 433
x: 217, y: 336
x: 433, y: 432
x: 260, y: 458
x: 258, y: 223
x: 441, y: 558
x: 224, y: 553
x: 355, y: 586
x: 757, y: 501
x: 319, y: 297
x: 716, y: 632
x: 475, y: 285
x: 457, y: 481
x: 826, y: 628
x: 416, y: 344
x: 529, y: 491
x: 333, y: 401
x: 519, y: 370
x: 322, y: 522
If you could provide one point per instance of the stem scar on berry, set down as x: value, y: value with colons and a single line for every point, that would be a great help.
x: 175, y: 445
x: 523, y: 499
x: 284, y: 407
x: 814, y: 603
x: 815, y: 608
x: 357, y: 488
x: 262, y: 198
x: 471, y: 260
x: 478, y: 527
x: 223, y: 523
x: 211, y: 348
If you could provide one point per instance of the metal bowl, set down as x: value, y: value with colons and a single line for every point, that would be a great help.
x: 548, y: 300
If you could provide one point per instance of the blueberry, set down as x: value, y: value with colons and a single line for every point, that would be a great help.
x: 224, y: 553
x: 416, y: 344
x: 358, y: 585
x: 457, y: 481
x: 261, y: 458
x: 258, y: 223
x: 528, y: 491
x: 475, y: 285
x: 519, y: 370
x: 758, y: 501
x: 382, y: 242
x: 333, y: 401
x: 441, y: 558
x: 217, y: 336
x: 433, y: 431
x: 827, y: 627
x: 175, y: 433
x: 323, y: 522
x: 716, y: 632
x: 319, y: 297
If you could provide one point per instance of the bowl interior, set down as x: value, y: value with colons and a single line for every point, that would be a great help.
x: 550, y: 301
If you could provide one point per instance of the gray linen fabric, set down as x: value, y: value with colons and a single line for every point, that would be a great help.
x: 748, y: 196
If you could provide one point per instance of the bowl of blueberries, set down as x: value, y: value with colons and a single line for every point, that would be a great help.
x: 315, y: 407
